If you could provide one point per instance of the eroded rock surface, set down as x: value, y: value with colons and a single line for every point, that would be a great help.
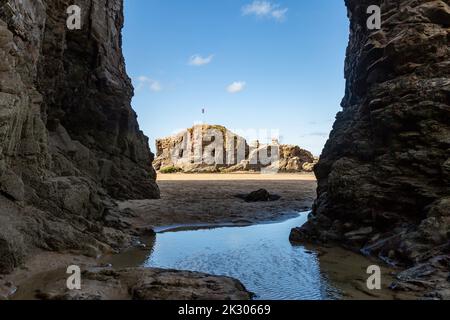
x: 384, y: 179
x: 147, y: 284
x: 69, y: 139
x: 214, y: 149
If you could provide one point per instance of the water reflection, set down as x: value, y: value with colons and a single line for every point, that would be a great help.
x: 260, y: 256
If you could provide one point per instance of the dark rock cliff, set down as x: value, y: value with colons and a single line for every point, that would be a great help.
x: 69, y: 139
x: 384, y: 175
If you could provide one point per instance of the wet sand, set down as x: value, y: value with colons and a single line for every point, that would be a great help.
x: 189, y: 199
x: 347, y: 271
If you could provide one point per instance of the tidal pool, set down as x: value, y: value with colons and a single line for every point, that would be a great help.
x: 260, y: 256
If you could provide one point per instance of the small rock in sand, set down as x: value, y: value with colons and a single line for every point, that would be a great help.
x: 259, y: 196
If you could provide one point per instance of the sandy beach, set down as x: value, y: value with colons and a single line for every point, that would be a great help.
x: 236, y: 177
x: 188, y: 199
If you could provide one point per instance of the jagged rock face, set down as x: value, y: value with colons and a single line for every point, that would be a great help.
x: 202, y: 148
x: 69, y: 139
x: 66, y: 98
x: 88, y: 93
x: 384, y: 179
x: 209, y: 148
x: 295, y: 159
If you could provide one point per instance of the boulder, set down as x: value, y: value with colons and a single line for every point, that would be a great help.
x: 146, y: 284
x: 261, y: 195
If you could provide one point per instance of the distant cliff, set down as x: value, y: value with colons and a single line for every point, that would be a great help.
x: 208, y: 148
x: 69, y: 139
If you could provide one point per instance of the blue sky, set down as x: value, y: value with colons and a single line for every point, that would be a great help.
x: 250, y: 64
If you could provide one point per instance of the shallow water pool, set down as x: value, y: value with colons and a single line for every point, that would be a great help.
x: 260, y: 256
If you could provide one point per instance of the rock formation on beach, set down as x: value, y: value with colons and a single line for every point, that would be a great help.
x: 384, y: 175
x: 69, y: 139
x: 213, y: 148
x: 145, y: 284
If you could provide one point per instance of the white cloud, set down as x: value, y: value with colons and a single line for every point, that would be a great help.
x: 152, y: 84
x: 236, y: 87
x: 197, y: 60
x: 265, y: 9
x: 258, y: 8
x: 280, y: 14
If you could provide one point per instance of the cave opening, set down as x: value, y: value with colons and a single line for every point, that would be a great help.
x: 235, y: 66
x: 75, y: 169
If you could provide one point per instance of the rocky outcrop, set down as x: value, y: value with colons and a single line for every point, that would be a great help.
x: 384, y: 174
x: 208, y: 149
x: 261, y: 195
x: 146, y: 284
x: 69, y: 139
x: 202, y: 148
x: 295, y: 159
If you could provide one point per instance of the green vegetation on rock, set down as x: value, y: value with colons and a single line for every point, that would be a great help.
x: 170, y: 169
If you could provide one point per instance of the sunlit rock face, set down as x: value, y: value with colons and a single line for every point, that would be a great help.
x: 384, y: 175
x: 213, y: 148
x: 69, y: 139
